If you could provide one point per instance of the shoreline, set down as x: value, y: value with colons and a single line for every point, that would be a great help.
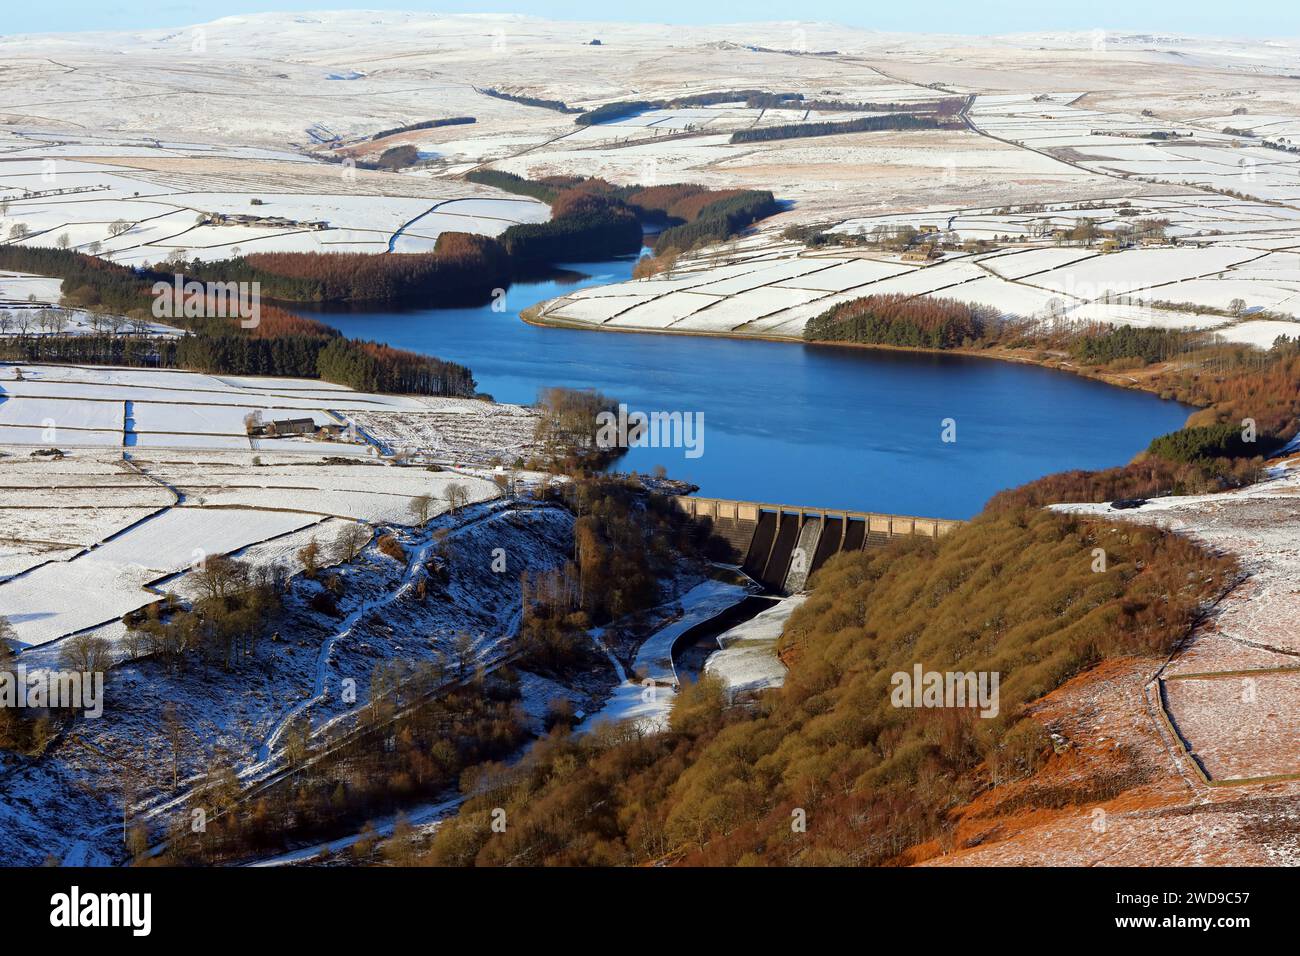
x: 1055, y: 362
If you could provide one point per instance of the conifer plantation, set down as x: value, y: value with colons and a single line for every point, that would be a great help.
x: 902, y: 320
x: 281, y: 344
x: 461, y: 265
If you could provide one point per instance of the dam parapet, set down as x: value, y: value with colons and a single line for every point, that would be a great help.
x: 780, y: 546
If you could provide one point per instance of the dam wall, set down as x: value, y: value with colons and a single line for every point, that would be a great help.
x: 781, y: 545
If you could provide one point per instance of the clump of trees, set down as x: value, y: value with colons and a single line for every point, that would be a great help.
x: 390, y: 546
x: 557, y: 105
x: 18, y: 731
x: 675, y: 203
x: 648, y: 267
x: 426, y: 124
x: 142, y: 352
x: 864, y: 124
x: 591, y: 217
x: 375, y: 367
x: 542, y: 189
x: 1146, y: 344
x: 410, y: 748
x: 554, y: 642
x: 716, y: 219
x: 398, y: 157
x: 460, y: 266
x: 757, y: 99
x: 613, y: 111
x: 567, y: 430
x: 584, y: 224
x: 1223, y: 440
x: 625, y: 543
x: 901, y: 320
x: 236, y: 606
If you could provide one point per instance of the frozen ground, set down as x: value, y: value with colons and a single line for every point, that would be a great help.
x: 158, y: 472
x: 1110, y: 127
x: 1132, y: 796
x: 114, y: 524
x: 1231, y: 690
x: 66, y: 802
x: 767, y: 287
x: 199, y: 126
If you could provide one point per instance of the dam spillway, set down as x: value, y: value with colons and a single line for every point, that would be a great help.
x: 780, y: 546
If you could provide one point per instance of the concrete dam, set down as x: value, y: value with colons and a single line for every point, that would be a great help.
x: 781, y: 545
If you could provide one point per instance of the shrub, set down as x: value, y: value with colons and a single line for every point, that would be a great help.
x: 390, y: 546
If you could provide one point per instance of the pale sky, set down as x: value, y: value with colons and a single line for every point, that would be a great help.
x: 1252, y: 18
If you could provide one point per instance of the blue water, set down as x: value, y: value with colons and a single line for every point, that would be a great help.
x: 799, y: 424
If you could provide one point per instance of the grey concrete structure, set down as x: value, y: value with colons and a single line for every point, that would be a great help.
x: 781, y: 545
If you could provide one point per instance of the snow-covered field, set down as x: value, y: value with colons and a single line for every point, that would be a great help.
x: 1231, y: 689
x: 1229, y: 213
x: 158, y: 473
x: 68, y: 803
x: 765, y: 286
x: 100, y: 531
x: 137, y: 204
x: 1039, y: 153
x: 755, y: 294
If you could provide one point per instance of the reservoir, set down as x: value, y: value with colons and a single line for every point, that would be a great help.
x: 797, y: 424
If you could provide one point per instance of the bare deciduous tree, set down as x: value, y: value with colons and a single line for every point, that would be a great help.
x: 354, y: 536
x: 309, y: 555
x: 457, y: 496
x: 175, y: 736
x: 86, y: 653
x: 422, y: 509
x: 220, y: 576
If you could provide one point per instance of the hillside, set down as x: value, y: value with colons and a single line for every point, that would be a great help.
x: 1016, y: 594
